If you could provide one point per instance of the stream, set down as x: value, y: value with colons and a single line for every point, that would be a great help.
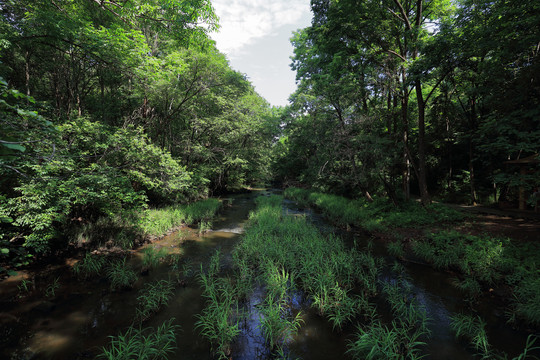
x: 76, y: 322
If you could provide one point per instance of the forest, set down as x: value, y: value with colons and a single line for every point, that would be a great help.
x: 122, y: 126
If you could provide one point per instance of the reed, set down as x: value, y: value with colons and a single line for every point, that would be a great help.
x: 219, y: 320
x: 90, y: 265
x: 143, y: 344
x: 152, y: 257
x: 152, y: 297
x: 120, y: 275
x: 50, y: 291
x: 473, y: 329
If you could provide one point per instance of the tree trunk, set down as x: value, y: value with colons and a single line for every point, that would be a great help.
x: 422, y: 184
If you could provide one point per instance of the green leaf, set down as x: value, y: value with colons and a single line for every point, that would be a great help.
x: 15, y: 147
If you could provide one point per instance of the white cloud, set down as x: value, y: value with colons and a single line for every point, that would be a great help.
x: 244, y: 21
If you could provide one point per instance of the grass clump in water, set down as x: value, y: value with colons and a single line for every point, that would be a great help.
x: 120, y: 275
x: 152, y: 297
x: 152, y: 257
x: 143, y: 344
x: 473, y: 329
x: 219, y: 320
x: 90, y: 265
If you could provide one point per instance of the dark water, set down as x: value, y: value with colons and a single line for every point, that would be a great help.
x: 76, y: 323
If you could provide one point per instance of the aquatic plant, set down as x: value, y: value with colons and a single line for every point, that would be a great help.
x: 529, y: 347
x: 159, y: 221
x: 276, y: 320
x: 219, y: 320
x: 152, y: 257
x: 204, y: 226
x: 473, y: 329
x: 152, y: 296
x: 378, y: 341
x: 395, y: 248
x: 469, y: 286
x: 26, y: 286
x: 50, y: 291
x: 143, y: 344
x: 120, y: 275
x: 527, y: 299
x: 276, y: 323
x: 90, y: 265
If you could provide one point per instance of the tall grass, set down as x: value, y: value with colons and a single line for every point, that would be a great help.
x: 90, y: 265
x: 219, y: 320
x: 143, y: 344
x: 152, y: 297
x: 152, y: 257
x: 473, y: 329
x: 376, y: 216
x: 159, y: 221
x: 120, y: 275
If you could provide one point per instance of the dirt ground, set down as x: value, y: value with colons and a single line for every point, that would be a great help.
x: 514, y: 224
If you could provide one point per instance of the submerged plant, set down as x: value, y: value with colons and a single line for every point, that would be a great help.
x: 277, y: 324
x: 120, y: 275
x: 395, y: 248
x: 143, y: 344
x: 377, y: 342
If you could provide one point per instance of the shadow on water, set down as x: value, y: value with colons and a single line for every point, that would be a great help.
x: 76, y: 323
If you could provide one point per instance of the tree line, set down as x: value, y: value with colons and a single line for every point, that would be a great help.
x: 429, y: 97
x: 110, y: 106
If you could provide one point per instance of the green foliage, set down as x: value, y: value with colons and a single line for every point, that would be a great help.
x: 159, y: 221
x: 378, y: 215
x: 120, y: 275
x: 50, y: 291
x: 473, y: 329
x: 475, y: 256
x: 90, y: 265
x: 152, y: 257
x: 152, y: 297
x: 219, y: 320
x: 147, y: 343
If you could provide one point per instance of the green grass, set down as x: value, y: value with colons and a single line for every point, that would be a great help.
x: 159, y: 221
x: 152, y: 257
x: 379, y: 215
x: 152, y: 297
x: 143, y: 344
x: 120, y: 275
x: 219, y: 320
x: 90, y: 265
x: 473, y: 330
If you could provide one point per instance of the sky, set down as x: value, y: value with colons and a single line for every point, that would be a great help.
x: 254, y: 35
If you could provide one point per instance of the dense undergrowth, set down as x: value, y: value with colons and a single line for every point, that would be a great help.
x: 380, y: 215
x: 481, y: 261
